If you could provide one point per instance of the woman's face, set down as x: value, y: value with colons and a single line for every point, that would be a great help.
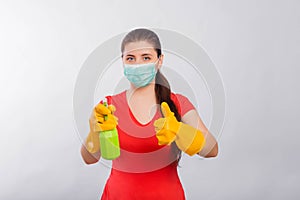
x: 140, y: 53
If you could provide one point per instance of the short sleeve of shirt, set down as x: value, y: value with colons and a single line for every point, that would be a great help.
x: 183, y: 103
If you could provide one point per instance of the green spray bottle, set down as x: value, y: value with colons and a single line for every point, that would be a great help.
x: 109, y: 141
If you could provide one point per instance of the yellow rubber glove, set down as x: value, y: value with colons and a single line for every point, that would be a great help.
x: 102, y: 119
x: 168, y: 129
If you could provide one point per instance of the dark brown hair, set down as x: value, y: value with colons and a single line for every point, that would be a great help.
x: 162, y: 86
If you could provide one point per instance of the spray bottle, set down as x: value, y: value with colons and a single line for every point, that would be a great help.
x: 109, y: 141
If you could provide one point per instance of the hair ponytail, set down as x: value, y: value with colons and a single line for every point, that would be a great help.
x: 163, y: 93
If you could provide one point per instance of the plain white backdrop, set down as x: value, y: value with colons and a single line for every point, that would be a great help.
x: 254, y: 44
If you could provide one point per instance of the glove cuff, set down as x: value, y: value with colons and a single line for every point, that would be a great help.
x: 92, y: 142
x: 189, y: 139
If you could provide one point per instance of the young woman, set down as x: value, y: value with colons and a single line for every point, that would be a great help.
x: 151, y: 137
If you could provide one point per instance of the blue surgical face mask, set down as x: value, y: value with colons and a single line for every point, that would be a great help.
x: 140, y: 74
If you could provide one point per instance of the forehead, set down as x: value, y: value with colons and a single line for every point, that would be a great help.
x: 138, y: 48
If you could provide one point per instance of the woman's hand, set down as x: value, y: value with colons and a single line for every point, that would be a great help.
x: 168, y: 129
x: 101, y: 119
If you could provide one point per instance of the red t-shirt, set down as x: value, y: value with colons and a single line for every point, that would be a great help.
x: 144, y: 170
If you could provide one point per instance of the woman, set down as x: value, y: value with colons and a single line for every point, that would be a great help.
x: 151, y: 137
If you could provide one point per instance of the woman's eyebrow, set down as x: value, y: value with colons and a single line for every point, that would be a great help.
x: 130, y: 55
x: 146, y: 54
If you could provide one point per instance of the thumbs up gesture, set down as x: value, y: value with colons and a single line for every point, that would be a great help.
x: 168, y: 129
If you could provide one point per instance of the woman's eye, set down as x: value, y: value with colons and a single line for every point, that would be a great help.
x: 129, y: 59
x: 146, y: 58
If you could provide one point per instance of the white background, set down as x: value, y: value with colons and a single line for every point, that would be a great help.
x: 254, y: 44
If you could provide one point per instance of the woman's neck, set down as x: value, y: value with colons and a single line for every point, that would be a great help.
x: 147, y: 92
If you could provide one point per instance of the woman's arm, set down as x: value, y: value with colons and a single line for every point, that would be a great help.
x: 210, y: 149
x: 88, y: 157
